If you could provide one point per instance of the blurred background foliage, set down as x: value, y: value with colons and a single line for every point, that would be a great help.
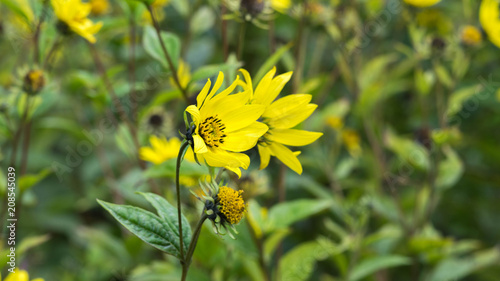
x: 403, y: 185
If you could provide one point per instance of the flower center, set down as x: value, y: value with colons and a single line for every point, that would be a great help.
x: 155, y: 120
x: 212, y: 131
x: 231, y: 203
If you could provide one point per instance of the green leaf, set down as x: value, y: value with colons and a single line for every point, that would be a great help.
x: 374, y: 70
x: 124, y: 141
x: 450, y: 170
x: 147, y: 226
x: 443, y: 75
x: 284, y: 214
x: 153, y: 47
x: 202, y: 20
x: 31, y: 242
x: 457, y: 268
x: 457, y: 99
x: 28, y: 181
x: 169, y: 214
x: 298, y: 263
x: 424, y: 81
x: 270, y: 62
x: 21, y: 8
x: 208, y: 71
x: 372, y: 265
x: 408, y: 150
x: 273, y: 241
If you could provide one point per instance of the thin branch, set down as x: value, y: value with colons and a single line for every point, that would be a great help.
x: 167, y: 56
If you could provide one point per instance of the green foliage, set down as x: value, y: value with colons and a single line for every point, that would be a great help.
x: 161, y: 233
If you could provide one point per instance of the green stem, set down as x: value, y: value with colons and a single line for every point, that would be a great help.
x: 177, y: 190
x: 219, y: 175
x: 241, y: 40
x: 192, y: 245
x: 167, y: 56
x: 18, y: 133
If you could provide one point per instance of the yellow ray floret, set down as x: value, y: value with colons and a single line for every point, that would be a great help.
x: 489, y: 13
x: 281, y: 116
x: 162, y: 150
x: 422, y: 3
x: 74, y: 14
x: 225, y: 126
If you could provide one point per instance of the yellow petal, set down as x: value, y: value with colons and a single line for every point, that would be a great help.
x: 199, y: 144
x: 218, y: 83
x: 195, y: 114
x: 237, y: 171
x: 265, y: 156
x: 18, y: 275
x: 293, y: 137
x: 229, y: 103
x: 157, y: 143
x: 273, y: 90
x: 261, y: 90
x: 220, y: 104
x: 248, y: 80
x: 422, y: 3
x: 286, y: 156
x: 241, y: 117
x: 203, y: 94
x: 245, y: 138
x: 287, y: 104
x: 292, y: 118
x: 148, y: 154
x: 217, y: 157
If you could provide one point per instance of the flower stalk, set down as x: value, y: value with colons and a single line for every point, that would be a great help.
x: 192, y: 245
x: 182, y: 150
x: 167, y: 56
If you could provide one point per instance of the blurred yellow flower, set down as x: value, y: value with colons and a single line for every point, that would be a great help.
x: 281, y: 5
x: 99, y: 7
x: 225, y: 125
x: 34, y: 81
x: 352, y: 142
x: 184, y: 74
x: 157, y: 7
x: 422, y: 3
x: 162, y: 150
x: 281, y: 115
x: 20, y: 275
x: 335, y: 122
x: 489, y: 16
x: 471, y: 35
x: 73, y: 13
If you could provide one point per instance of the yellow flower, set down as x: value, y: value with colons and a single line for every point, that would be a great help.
x: 224, y: 206
x: 73, y: 13
x: 335, y: 122
x: 33, y: 81
x: 422, y: 3
x: 20, y: 275
x: 157, y: 7
x: 471, y: 35
x: 352, y: 142
x: 281, y: 116
x: 281, y: 5
x: 232, y: 205
x: 163, y: 150
x: 224, y: 126
x: 99, y: 7
x: 184, y: 74
x: 489, y: 16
